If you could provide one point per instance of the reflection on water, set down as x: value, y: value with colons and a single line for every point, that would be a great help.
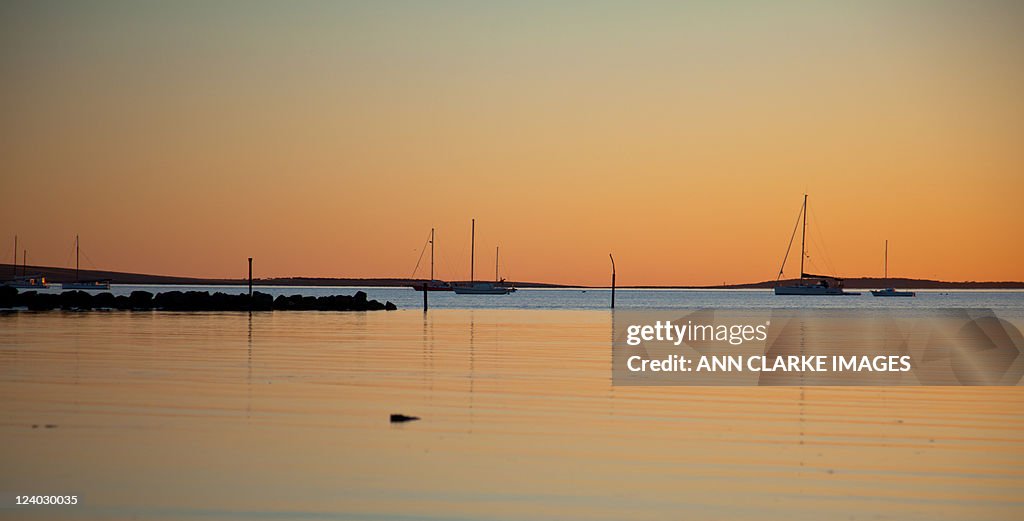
x: 285, y: 416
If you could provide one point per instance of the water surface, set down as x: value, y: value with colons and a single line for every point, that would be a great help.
x: 284, y: 415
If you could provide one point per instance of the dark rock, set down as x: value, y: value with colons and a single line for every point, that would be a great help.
x: 140, y: 299
x: 176, y: 300
x: 8, y: 296
x: 76, y: 300
x: 42, y: 301
x: 261, y: 301
x: 103, y: 300
x: 401, y: 418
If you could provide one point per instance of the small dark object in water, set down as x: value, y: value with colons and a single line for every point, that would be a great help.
x: 35, y: 426
x: 50, y: 426
x: 401, y: 418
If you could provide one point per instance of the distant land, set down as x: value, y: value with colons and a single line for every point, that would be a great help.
x: 53, y: 274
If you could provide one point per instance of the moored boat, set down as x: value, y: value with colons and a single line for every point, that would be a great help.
x: 890, y: 292
x: 24, y: 281
x: 481, y: 288
x: 808, y: 284
x: 432, y: 284
x: 474, y: 287
x: 85, y: 285
x: 28, y: 282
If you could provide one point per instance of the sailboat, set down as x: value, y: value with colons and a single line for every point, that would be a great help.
x: 474, y: 287
x: 809, y: 284
x: 96, y: 284
x: 890, y: 292
x: 25, y: 281
x: 433, y: 284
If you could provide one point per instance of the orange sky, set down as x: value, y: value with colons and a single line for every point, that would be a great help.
x: 326, y: 140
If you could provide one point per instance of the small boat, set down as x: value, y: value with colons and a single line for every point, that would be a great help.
x: 432, y: 284
x: 86, y: 285
x: 809, y: 284
x: 28, y: 282
x: 24, y: 281
x: 473, y: 287
x: 890, y: 292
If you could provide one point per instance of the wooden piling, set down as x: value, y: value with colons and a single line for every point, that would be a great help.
x: 613, y: 279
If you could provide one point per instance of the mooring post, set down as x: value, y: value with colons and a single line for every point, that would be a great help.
x: 250, y: 278
x: 613, y: 279
x: 424, y: 297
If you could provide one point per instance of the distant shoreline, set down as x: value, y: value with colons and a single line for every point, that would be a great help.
x: 57, y: 275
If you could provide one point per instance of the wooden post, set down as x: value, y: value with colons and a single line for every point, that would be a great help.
x: 425, y: 297
x: 472, y: 251
x: 887, y: 259
x: 250, y: 278
x: 613, y: 279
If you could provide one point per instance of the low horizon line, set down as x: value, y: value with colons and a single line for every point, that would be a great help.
x: 61, y: 272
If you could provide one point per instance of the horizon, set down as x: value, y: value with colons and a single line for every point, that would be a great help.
x: 327, y: 139
x: 541, y: 283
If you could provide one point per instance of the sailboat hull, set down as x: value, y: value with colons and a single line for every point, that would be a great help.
x: 434, y: 285
x: 94, y: 286
x: 26, y: 285
x: 812, y: 291
x: 892, y: 293
x: 481, y: 288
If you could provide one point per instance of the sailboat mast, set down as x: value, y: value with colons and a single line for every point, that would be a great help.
x: 431, y: 254
x: 496, y: 264
x: 472, y: 250
x: 803, y: 239
x: 887, y: 259
x: 15, y: 263
x: 76, y: 258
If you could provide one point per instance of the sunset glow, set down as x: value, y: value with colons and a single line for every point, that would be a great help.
x: 328, y: 139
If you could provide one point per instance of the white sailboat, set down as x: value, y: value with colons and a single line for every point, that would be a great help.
x: 474, y: 287
x: 890, y: 292
x: 808, y: 284
x: 432, y: 284
x: 94, y: 285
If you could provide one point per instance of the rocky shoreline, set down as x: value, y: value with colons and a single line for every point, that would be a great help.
x: 186, y: 301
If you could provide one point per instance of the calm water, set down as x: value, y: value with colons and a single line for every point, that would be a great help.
x: 285, y: 416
